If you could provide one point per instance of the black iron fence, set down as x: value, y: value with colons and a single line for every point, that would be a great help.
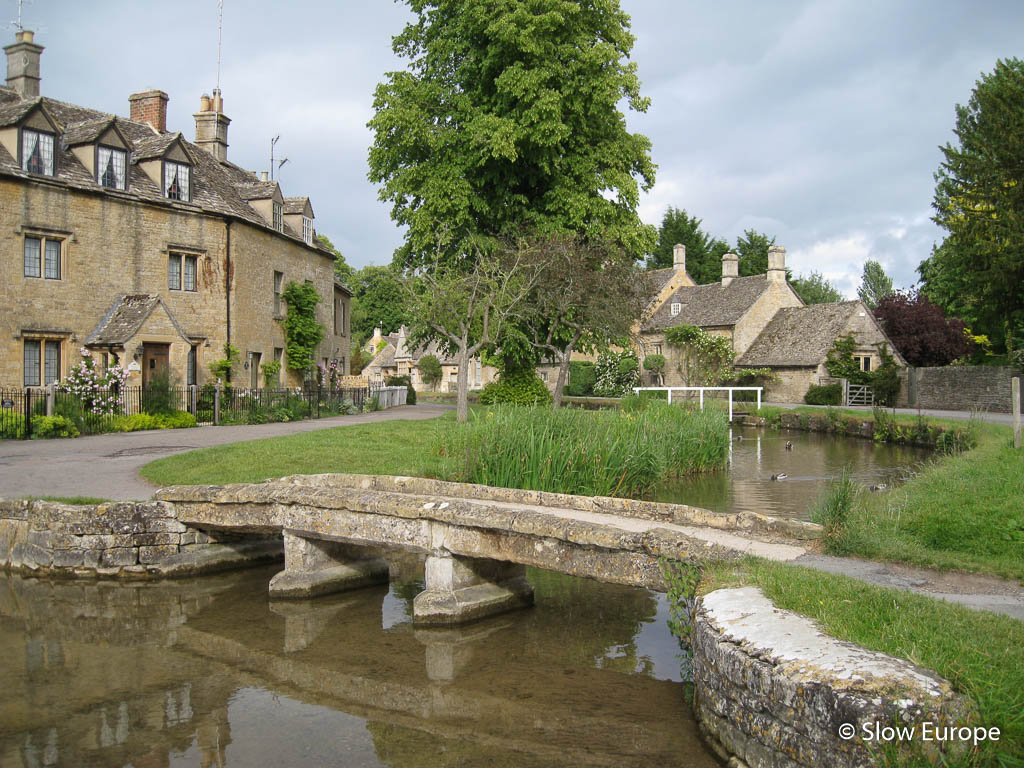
x: 23, y: 411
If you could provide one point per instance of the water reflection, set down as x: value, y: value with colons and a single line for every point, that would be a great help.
x: 209, y: 673
x: 815, y: 459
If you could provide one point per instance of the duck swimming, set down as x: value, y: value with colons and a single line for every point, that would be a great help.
x: 780, y: 476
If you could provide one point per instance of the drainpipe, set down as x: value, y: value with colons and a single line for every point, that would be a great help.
x: 227, y: 278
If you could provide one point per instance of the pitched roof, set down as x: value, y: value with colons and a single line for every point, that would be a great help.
x: 86, y: 132
x: 215, y: 185
x: 799, y: 336
x: 385, y: 358
x: 710, y: 305
x: 254, y: 189
x: 293, y: 205
x: 124, y: 318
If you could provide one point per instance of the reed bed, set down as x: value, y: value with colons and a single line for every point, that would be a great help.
x: 594, y: 453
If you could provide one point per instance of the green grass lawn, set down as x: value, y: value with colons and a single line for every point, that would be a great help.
x: 980, y: 653
x: 381, y: 448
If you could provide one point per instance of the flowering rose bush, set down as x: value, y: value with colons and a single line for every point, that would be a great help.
x: 99, y: 391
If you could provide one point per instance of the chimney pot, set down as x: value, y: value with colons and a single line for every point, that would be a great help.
x: 212, y: 126
x: 679, y: 256
x: 777, y: 264
x: 23, y: 65
x: 263, y: 176
x: 150, y: 107
x: 730, y: 268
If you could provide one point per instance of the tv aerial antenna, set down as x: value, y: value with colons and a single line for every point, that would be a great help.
x: 18, y: 23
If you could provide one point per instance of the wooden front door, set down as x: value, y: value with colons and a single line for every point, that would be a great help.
x: 156, y: 361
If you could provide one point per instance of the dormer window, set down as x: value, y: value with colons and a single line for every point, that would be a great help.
x: 176, y: 181
x: 110, y: 167
x: 676, y: 308
x: 37, y: 152
x: 307, y: 230
x: 278, y: 217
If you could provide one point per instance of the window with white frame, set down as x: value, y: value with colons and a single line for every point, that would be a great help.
x: 307, y: 230
x: 863, y: 362
x: 176, y: 181
x: 676, y: 308
x: 37, y: 152
x: 110, y: 167
x: 43, y: 257
x: 278, y: 217
x: 181, y: 271
x: 41, y: 362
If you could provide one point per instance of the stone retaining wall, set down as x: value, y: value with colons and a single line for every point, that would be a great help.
x: 961, y: 388
x: 773, y: 690
x: 119, y: 540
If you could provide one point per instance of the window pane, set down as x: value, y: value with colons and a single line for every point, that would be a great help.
x: 52, y: 362
x: 32, y: 363
x: 53, y: 259
x: 190, y: 273
x: 174, y: 272
x: 32, y: 249
x: 37, y: 152
x: 191, y: 366
x: 176, y: 181
x: 110, y: 167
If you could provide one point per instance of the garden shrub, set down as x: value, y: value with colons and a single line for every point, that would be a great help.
x: 885, y: 382
x: 582, y: 378
x: 617, y: 373
x: 519, y: 387
x: 403, y: 381
x: 370, y: 405
x: 159, y: 396
x: 53, y: 426
x: 828, y: 394
x: 176, y: 420
x: 12, y: 426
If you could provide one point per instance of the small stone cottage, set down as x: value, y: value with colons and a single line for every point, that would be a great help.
x: 397, y: 357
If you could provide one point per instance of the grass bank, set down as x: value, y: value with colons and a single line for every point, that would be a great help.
x: 598, y: 453
x: 960, y: 511
x: 980, y: 653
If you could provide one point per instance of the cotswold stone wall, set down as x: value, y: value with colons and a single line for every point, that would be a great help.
x: 125, y: 540
x: 773, y: 690
x: 961, y: 387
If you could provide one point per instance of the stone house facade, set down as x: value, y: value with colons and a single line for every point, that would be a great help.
x: 797, y: 340
x: 398, y: 357
x: 767, y: 323
x: 142, y: 248
x: 737, y: 308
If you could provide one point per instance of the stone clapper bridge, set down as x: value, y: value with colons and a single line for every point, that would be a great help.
x: 477, y: 539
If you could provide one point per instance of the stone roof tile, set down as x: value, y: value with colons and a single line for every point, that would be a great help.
x: 799, y: 336
x: 710, y: 305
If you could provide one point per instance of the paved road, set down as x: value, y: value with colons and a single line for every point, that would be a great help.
x: 106, y: 466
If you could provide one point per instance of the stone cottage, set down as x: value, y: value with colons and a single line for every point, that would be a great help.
x: 797, y: 340
x: 143, y: 248
x: 398, y: 357
x: 737, y: 308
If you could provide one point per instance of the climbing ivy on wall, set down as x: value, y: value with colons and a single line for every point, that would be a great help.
x: 302, y: 332
x: 706, y: 359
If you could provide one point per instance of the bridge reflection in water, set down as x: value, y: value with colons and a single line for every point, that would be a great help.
x: 209, y: 673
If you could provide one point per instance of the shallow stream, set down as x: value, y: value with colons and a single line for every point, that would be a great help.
x: 809, y: 465
x: 207, y: 672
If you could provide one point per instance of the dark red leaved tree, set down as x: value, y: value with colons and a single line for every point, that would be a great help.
x: 920, y: 329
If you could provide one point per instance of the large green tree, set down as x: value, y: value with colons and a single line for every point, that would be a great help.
x: 507, y: 118
x: 875, y: 285
x: 703, y: 252
x: 752, y: 250
x: 379, y: 300
x: 342, y: 269
x: 978, y: 271
x: 815, y: 289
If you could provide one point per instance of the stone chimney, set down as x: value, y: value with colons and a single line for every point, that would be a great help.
x: 212, y: 126
x: 150, y: 107
x: 730, y: 268
x: 23, y: 65
x: 679, y: 257
x: 777, y: 264
x: 264, y: 176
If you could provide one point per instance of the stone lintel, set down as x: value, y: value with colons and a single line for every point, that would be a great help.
x: 314, y: 567
x: 461, y: 589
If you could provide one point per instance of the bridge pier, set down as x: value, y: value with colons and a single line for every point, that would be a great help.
x: 461, y: 589
x: 314, y: 567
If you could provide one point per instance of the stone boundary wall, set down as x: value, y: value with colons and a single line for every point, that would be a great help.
x: 774, y: 690
x: 961, y: 388
x: 679, y: 514
x: 118, y: 540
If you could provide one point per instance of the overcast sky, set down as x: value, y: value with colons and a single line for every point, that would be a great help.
x: 816, y: 122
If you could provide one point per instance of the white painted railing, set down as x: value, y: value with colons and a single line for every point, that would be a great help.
x: 702, y: 390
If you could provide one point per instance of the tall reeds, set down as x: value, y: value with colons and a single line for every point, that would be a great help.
x: 594, y: 453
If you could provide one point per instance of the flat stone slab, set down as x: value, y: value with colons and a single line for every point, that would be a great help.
x: 291, y: 585
x: 773, y: 689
